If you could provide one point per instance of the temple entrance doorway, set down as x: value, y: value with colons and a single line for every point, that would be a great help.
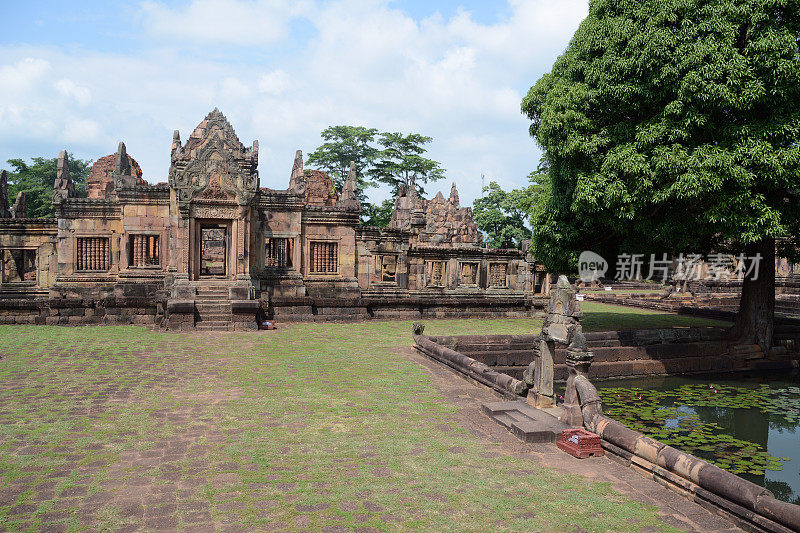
x: 214, y: 248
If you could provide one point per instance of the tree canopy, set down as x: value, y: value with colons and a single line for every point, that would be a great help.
x: 36, y: 180
x: 671, y: 126
x: 378, y: 215
x: 501, y: 215
x: 396, y: 159
x: 401, y: 161
x: 342, y: 145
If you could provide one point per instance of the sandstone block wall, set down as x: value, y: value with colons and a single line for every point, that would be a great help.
x: 29, y: 234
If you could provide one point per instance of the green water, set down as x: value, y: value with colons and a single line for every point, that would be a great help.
x: 747, y: 424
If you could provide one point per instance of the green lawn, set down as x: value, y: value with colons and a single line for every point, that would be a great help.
x: 602, y: 317
x: 625, y: 291
x: 298, y: 428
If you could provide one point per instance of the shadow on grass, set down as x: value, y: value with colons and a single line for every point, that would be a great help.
x: 604, y: 317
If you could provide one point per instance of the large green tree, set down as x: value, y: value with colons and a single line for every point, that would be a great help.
x: 673, y: 126
x: 342, y: 145
x: 36, y: 180
x: 378, y: 215
x: 401, y: 161
x: 389, y: 158
x: 501, y: 215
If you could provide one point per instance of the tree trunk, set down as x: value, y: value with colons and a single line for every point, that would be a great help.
x: 755, y: 320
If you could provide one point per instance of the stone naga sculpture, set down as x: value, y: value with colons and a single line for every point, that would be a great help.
x: 561, y: 325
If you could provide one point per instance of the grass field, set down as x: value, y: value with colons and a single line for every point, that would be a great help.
x: 649, y: 292
x: 304, y: 427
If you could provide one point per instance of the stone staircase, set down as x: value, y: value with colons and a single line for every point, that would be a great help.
x: 213, y: 308
x: 620, y: 353
x: 527, y: 423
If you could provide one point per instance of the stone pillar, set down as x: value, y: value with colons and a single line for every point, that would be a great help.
x: 543, y: 375
x: 188, y: 241
x: 137, y: 250
x: 95, y: 253
x: 63, y: 187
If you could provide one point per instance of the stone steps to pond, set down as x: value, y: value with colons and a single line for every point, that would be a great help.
x: 621, y: 353
x: 527, y: 423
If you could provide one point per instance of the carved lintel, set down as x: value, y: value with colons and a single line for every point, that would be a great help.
x: 215, y: 211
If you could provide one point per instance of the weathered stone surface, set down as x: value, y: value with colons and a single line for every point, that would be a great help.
x: 526, y: 423
x: 213, y: 237
x: 444, y: 222
x: 349, y: 191
x: 100, y: 183
x: 320, y: 189
x: 297, y: 178
x: 20, y: 209
x: 180, y: 306
x: 4, y: 208
x: 63, y: 187
x: 107, y: 170
x: 214, y: 164
x: 560, y: 326
x: 245, y: 306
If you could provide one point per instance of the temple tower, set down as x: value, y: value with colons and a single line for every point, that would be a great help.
x: 214, y: 179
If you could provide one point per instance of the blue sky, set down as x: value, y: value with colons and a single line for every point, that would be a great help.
x: 86, y: 76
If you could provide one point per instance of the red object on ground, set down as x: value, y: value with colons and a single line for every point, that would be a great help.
x: 580, y: 443
x: 266, y: 324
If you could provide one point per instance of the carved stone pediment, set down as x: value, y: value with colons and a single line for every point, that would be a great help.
x: 214, y: 165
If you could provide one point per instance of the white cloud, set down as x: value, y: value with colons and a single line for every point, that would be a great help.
x: 24, y: 123
x: 82, y: 131
x: 223, y: 21
x: 69, y: 88
x: 275, y: 82
x: 22, y: 76
x: 232, y: 87
x: 359, y: 62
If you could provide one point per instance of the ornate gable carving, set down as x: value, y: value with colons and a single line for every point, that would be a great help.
x: 213, y: 166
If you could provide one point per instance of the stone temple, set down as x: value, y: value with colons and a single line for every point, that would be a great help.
x: 211, y: 249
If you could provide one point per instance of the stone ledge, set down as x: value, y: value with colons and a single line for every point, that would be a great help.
x: 245, y: 306
x: 525, y: 422
x: 180, y: 306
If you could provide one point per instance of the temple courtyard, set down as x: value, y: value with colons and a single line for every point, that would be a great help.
x: 313, y: 426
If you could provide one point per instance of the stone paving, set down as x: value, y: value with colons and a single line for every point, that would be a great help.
x: 152, y: 486
x: 222, y: 432
x: 673, y: 509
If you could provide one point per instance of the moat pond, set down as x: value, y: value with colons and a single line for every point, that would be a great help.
x: 746, y: 424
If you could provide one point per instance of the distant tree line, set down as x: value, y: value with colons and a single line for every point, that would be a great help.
x: 36, y: 179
